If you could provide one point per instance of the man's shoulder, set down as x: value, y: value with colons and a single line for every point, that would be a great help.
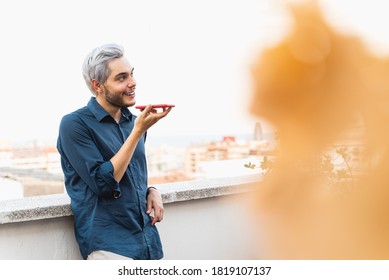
x: 76, y: 116
x: 79, y: 113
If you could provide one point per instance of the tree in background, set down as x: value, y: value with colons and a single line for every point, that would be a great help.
x: 320, y: 88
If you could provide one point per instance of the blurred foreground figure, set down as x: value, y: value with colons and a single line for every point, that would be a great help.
x: 327, y: 96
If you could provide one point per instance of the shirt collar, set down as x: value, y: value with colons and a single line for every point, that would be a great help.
x: 100, y: 113
x: 126, y: 113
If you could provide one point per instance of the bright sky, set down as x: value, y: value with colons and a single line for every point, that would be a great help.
x: 193, y: 53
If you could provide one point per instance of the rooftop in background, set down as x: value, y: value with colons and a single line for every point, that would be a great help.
x: 35, y: 167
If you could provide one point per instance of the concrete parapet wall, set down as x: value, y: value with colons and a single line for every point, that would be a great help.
x: 204, y: 219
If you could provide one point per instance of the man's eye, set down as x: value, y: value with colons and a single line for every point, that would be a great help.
x: 121, y: 78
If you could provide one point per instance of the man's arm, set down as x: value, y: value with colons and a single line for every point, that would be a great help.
x: 80, y: 155
x: 143, y: 122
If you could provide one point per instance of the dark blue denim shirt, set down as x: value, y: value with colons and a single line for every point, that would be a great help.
x: 108, y: 215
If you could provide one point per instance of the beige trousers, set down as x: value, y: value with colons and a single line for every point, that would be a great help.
x: 105, y: 255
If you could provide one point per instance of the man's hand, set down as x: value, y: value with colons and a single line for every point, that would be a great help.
x: 149, y: 117
x: 155, y: 205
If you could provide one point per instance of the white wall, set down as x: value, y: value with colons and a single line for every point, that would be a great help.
x: 210, y: 228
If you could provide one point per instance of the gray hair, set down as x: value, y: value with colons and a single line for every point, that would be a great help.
x: 95, y: 65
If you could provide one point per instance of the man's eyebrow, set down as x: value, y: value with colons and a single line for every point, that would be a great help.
x: 124, y: 73
x: 121, y: 74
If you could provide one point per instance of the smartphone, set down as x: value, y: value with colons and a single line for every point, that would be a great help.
x: 155, y: 106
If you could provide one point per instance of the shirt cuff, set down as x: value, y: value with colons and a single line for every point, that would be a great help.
x: 106, y: 172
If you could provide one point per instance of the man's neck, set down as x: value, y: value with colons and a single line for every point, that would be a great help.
x: 114, y: 111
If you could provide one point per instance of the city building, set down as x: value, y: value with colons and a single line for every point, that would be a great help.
x: 227, y: 157
x: 36, y: 166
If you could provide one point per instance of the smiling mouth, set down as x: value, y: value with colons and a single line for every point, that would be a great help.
x: 131, y: 94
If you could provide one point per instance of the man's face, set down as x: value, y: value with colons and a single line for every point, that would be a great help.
x: 119, y: 89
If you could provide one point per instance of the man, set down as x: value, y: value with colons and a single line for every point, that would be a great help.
x: 103, y: 160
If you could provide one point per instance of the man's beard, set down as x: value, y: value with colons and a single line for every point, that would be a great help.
x: 115, y: 99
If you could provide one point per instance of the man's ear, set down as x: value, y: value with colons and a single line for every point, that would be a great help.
x: 97, y: 87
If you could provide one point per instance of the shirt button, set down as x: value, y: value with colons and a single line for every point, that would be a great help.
x: 117, y: 194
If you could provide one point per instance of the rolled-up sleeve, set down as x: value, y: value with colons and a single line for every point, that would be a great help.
x: 106, y: 173
x: 82, y: 159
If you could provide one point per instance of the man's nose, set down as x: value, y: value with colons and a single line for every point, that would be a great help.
x: 132, y: 82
